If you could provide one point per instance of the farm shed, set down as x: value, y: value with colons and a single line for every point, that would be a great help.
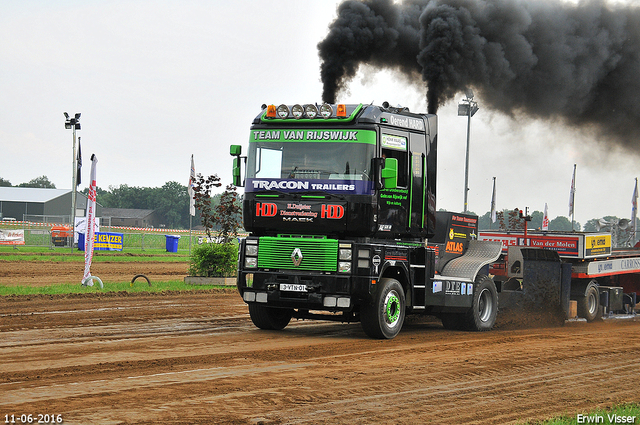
x: 131, y: 217
x: 23, y: 203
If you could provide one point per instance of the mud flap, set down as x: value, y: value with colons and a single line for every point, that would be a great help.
x: 544, y: 292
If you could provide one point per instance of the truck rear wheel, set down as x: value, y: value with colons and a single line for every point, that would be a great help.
x: 269, y: 318
x: 484, y: 310
x: 383, y: 318
x: 589, y: 302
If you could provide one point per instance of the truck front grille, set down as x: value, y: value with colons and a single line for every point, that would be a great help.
x: 316, y: 254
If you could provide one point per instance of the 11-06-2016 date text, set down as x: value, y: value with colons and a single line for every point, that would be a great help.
x: 29, y: 418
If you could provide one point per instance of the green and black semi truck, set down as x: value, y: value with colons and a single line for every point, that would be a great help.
x: 340, y: 206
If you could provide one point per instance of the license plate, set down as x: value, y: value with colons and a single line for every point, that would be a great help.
x: 290, y: 287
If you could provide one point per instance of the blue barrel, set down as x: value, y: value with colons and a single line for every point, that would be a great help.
x: 172, y: 243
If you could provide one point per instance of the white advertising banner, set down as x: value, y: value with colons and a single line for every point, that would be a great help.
x: 11, y: 237
x: 91, y: 216
x: 81, y: 227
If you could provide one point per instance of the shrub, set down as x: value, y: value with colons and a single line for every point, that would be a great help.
x: 213, y: 260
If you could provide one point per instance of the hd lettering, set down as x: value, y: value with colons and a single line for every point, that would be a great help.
x: 304, y: 213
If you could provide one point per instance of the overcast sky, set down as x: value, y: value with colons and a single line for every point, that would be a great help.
x: 157, y: 81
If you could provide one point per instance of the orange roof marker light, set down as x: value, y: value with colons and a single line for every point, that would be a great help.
x: 271, y: 111
x: 341, y: 111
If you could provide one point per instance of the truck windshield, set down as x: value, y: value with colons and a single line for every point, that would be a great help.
x: 310, y: 160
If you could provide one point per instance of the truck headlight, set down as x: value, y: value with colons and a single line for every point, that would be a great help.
x: 344, y: 267
x: 345, y: 254
x: 250, y: 262
x: 251, y: 250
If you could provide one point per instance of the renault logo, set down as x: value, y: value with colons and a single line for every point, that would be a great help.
x: 296, y: 257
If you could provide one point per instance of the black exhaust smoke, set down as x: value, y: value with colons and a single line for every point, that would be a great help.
x: 546, y: 59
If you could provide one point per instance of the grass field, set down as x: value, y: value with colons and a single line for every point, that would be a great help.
x: 35, y: 253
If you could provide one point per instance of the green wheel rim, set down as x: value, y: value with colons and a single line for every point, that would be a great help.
x: 392, y: 308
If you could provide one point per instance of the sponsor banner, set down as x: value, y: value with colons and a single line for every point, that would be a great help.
x: 394, y: 142
x: 103, y: 241
x: 352, y: 136
x: 452, y: 287
x: 462, y: 229
x: 617, y: 266
x: 11, y: 237
x: 598, y: 245
x: 566, y: 246
x: 352, y: 187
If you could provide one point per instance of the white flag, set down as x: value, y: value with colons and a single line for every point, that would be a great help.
x: 91, y: 214
x: 493, y: 203
x: 545, y: 218
x: 573, y: 191
x: 634, y: 211
x: 192, y: 178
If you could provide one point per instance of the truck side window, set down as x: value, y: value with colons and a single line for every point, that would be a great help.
x: 397, y: 146
x: 402, y: 158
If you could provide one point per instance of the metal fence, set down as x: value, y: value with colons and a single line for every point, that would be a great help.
x: 39, y: 235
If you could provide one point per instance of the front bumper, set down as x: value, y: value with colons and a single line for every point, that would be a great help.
x: 304, y: 291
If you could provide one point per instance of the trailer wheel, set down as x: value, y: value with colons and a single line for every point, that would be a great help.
x: 383, y: 318
x: 484, y: 310
x: 269, y: 318
x: 589, y: 302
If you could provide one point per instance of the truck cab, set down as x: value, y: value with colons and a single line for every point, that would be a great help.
x: 339, y: 204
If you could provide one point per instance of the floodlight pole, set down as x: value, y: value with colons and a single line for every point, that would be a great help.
x: 466, y: 164
x: 73, y: 124
x: 467, y: 107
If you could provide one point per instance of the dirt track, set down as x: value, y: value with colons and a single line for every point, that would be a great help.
x: 196, y: 358
x: 39, y: 273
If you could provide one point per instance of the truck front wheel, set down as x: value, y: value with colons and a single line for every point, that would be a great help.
x: 269, y: 318
x: 482, y: 314
x: 383, y: 318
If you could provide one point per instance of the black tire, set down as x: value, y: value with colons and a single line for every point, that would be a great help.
x: 589, y: 302
x: 384, y: 318
x: 269, y: 318
x: 484, y: 310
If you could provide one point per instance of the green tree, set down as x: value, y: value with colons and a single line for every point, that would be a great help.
x: 563, y: 224
x: 536, y: 220
x: 4, y: 183
x: 202, y: 187
x: 41, y: 182
x: 227, y: 214
x: 484, y: 222
x: 171, y: 202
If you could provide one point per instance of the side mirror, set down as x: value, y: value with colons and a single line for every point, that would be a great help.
x: 389, y: 173
x: 235, y: 150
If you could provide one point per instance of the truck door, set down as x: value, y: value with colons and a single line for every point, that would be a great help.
x: 394, y: 204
